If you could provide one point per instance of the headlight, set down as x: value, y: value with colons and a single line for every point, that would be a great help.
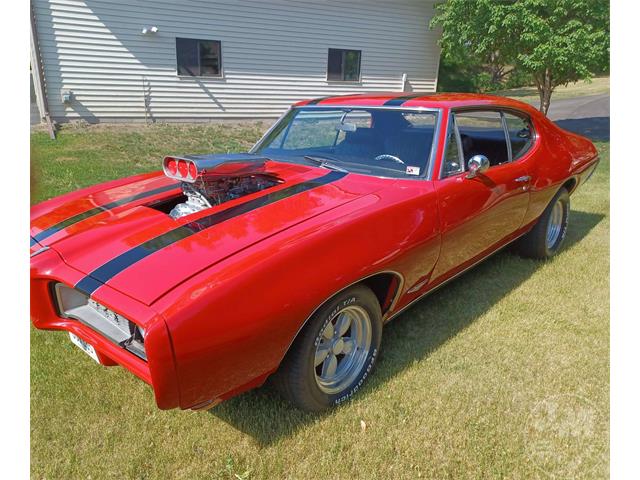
x: 74, y: 304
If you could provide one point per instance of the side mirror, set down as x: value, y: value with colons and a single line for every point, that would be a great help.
x: 477, y: 164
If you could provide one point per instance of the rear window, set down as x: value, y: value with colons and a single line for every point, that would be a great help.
x: 418, y: 120
x: 520, y: 134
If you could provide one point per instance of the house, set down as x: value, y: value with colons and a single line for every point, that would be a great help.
x: 163, y: 60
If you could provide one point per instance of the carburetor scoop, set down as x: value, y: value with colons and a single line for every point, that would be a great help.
x: 209, y: 180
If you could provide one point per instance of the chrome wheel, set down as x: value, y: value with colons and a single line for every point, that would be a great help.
x: 554, y: 227
x: 343, y: 349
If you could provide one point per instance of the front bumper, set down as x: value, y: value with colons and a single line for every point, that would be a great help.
x: 158, y: 371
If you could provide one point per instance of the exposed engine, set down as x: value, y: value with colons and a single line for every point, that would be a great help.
x: 209, y: 180
x: 210, y: 190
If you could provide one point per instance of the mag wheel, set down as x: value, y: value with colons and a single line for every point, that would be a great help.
x: 342, y: 349
x: 546, y: 237
x: 555, y: 224
x: 334, y: 353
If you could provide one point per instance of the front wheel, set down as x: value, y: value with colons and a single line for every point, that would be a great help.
x: 334, y: 353
x: 546, y: 237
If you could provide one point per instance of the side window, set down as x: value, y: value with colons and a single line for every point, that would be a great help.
x: 520, y: 134
x: 313, y: 129
x: 452, y: 163
x: 482, y: 133
x: 360, y: 118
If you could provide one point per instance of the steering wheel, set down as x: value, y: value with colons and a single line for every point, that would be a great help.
x: 386, y: 156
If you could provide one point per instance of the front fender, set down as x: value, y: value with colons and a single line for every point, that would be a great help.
x: 232, y: 324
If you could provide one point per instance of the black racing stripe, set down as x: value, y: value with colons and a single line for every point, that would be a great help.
x: 95, y: 211
x: 396, y: 102
x: 95, y: 279
x: 104, y: 273
x: 88, y: 285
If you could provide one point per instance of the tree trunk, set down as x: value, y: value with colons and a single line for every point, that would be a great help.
x: 545, y: 87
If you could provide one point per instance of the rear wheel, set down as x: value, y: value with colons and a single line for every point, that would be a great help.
x: 546, y: 237
x: 334, y: 353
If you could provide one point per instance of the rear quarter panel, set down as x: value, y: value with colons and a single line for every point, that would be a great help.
x: 553, y: 165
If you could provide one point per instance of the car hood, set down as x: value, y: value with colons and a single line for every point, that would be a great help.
x: 120, y: 237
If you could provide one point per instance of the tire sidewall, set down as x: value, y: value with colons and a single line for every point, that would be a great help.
x: 365, y: 299
x: 563, y: 197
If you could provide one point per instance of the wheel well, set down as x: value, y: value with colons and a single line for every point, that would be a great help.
x: 385, y: 287
x: 570, y: 185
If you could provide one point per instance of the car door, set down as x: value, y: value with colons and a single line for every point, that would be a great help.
x: 478, y: 213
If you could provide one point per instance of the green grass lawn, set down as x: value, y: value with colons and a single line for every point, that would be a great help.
x: 595, y: 86
x: 503, y: 373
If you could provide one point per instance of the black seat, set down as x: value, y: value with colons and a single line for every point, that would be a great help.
x: 495, y: 149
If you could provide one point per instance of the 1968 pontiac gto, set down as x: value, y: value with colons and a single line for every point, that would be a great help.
x: 209, y: 277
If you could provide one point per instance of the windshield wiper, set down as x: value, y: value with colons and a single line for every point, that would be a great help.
x: 324, y: 162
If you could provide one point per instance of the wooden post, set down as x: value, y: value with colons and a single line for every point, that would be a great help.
x: 404, y: 82
x: 38, y: 77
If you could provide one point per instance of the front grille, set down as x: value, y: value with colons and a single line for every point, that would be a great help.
x: 72, y: 303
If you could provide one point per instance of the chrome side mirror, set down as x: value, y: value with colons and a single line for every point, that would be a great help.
x: 477, y: 164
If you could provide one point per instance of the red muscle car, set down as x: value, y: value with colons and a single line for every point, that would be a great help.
x: 220, y: 271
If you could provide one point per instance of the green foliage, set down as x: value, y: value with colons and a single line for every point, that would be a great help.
x: 553, y: 42
x: 518, y: 78
x: 473, y: 39
x: 560, y: 41
x: 457, y: 75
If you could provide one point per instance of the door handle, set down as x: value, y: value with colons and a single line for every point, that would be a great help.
x: 523, y: 179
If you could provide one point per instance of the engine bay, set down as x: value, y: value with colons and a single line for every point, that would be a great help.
x: 211, y: 190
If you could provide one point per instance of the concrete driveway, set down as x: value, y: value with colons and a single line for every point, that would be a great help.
x: 588, y: 116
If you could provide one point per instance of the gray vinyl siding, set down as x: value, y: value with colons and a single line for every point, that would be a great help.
x: 274, y: 53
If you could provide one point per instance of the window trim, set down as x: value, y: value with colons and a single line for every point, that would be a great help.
x: 451, y: 124
x: 342, y: 80
x: 207, y: 76
x: 507, y: 138
x: 482, y: 108
x: 534, y: 133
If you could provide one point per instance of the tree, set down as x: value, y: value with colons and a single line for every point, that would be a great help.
x: 554, y: 41
x: 473, y: 38
x: 560, y: 41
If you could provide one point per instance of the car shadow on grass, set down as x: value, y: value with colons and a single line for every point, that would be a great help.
x: 412, y: 336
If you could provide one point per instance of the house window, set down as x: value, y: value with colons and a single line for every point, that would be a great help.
x: 198, y: 58
x: 343, y: 65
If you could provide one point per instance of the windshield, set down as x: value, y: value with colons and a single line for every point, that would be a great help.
x: 381, y: 142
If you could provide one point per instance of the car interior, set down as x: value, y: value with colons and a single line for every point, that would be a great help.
x: 389, y: 135
x: 483, y: 133
x: 490, y: 143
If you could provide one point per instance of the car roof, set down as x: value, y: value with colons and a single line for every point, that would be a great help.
x: 417, y: 100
